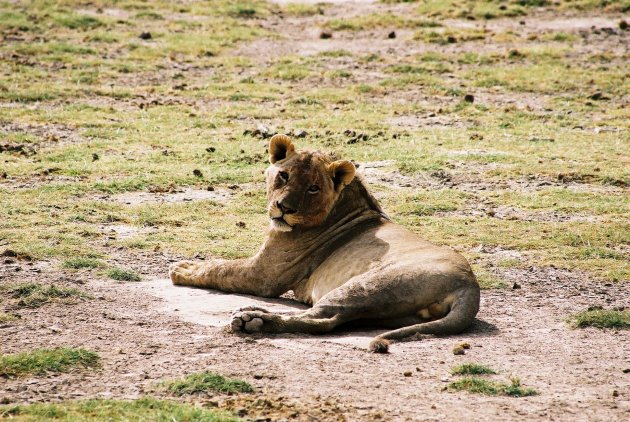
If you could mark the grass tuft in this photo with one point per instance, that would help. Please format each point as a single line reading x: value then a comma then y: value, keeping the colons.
x: 42, y: 361
x: 122, y: 274
x: 78, y: 263
x: 4, y: 318
x: 33, y: 295
x: 207, y: 381
x: 492, y: 388
x: 602, y: 318
x: 144, y: 409
x: 472, y: 369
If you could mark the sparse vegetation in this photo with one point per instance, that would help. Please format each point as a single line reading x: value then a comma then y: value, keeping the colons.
x: 79, y: 263
x: 146, y: 408
x: 602, y: 318
x: 207, y: 382
x: 122, y: 274
x: 43, y: 361
x: 472, y: 369
x: 492, y: 388
x: 34, y: 295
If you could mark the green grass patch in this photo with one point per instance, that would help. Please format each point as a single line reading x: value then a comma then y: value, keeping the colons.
x: 144, y: 409
x: 34, y: 295
x: 207, y: 381
x: 79, y: 263
x: 123, y: 274
x: 492, y: 388
x: 472, y: 369
x: 43, y: 361
x: 602, y: 318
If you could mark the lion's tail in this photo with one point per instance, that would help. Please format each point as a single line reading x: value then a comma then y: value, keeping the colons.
x: 463, y: 310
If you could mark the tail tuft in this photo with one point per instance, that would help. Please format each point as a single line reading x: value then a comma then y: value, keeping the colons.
x: 379, y: 345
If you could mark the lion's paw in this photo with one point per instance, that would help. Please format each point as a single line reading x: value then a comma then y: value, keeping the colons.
x: 250, y: 321
x: 183, y: 272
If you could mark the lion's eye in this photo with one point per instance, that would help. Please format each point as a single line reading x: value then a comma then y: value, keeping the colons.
x: 313, y: 189
x: 284, y: 175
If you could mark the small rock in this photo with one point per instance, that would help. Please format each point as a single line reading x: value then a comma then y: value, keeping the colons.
x: 197, y: 173
x: 241, y: 412
x: 433, y: 406
x: 95, y: 157
x: 623, y: 25
x: 211, y: 149
x: 210, y: 188
x: 626, y: 371
x: 459, y: 350
x: 234, y: 187
x: 145, y: 36
x: 516, y: 286
x: 615, y: 393
x: 325, y: 35
x: 407, y: 373
x: 391, y: 35
x: 258, y: 376
x: 451, y: 39
x: 521, y: 22
x: 465, y: 345
x: 4, y: 175
x: 444, y: 379
x: 469, y: 98
x: 241, y: 224
x: 301, y: 134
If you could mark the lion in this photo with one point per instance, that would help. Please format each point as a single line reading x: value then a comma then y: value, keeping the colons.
x: 330, y: 242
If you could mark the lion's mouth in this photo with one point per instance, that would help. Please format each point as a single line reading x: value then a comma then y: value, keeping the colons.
x: 279, y: 223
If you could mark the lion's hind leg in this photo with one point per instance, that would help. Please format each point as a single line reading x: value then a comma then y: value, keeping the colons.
x: 313, y: 321
x: 461, y: 315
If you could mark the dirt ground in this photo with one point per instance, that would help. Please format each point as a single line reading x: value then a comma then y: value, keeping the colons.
x: 150, y: 331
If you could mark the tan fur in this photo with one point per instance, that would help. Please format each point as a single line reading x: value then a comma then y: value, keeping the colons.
x: 330, y: 242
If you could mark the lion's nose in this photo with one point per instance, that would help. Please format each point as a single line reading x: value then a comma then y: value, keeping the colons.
x: 286, y: 208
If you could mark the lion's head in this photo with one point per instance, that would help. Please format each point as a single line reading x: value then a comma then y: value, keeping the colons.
x: 302, y: 186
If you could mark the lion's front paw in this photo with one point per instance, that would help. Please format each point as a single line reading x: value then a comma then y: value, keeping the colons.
x: 184, y: 272
x: 251, y: 320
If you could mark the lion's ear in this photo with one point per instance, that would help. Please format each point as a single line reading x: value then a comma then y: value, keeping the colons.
x: 342, y: 173
x: 280, y: 147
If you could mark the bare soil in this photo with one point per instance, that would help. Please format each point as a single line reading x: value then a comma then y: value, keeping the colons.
x: 150, y: 331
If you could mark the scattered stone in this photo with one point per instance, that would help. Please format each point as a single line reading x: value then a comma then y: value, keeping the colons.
x: 325, y: 35
x: 145, y: 36
x: 391, y: 35
x: 258, y: 376
x: 459, y: 350
x: 521, y: 22
x: 95, y: 157
x: 300, y: 133
x: 4, y: 175
x: 615, y: 393
x: 623, y: 25
x: 476, y: 137
x: 626, y: 371
x: 210, y: 188
x: 516, y: 286
x: 444, y: 379
x: 469, y: 98
x: 433, y: 406
x: 197, y: 173
x: 211, y: 149
x: 241, y: 224
x: 234, y: 187
x: 407, y: 373
x: 451, y: 39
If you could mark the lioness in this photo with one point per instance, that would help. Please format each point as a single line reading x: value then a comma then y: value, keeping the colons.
x: 330, y: 242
